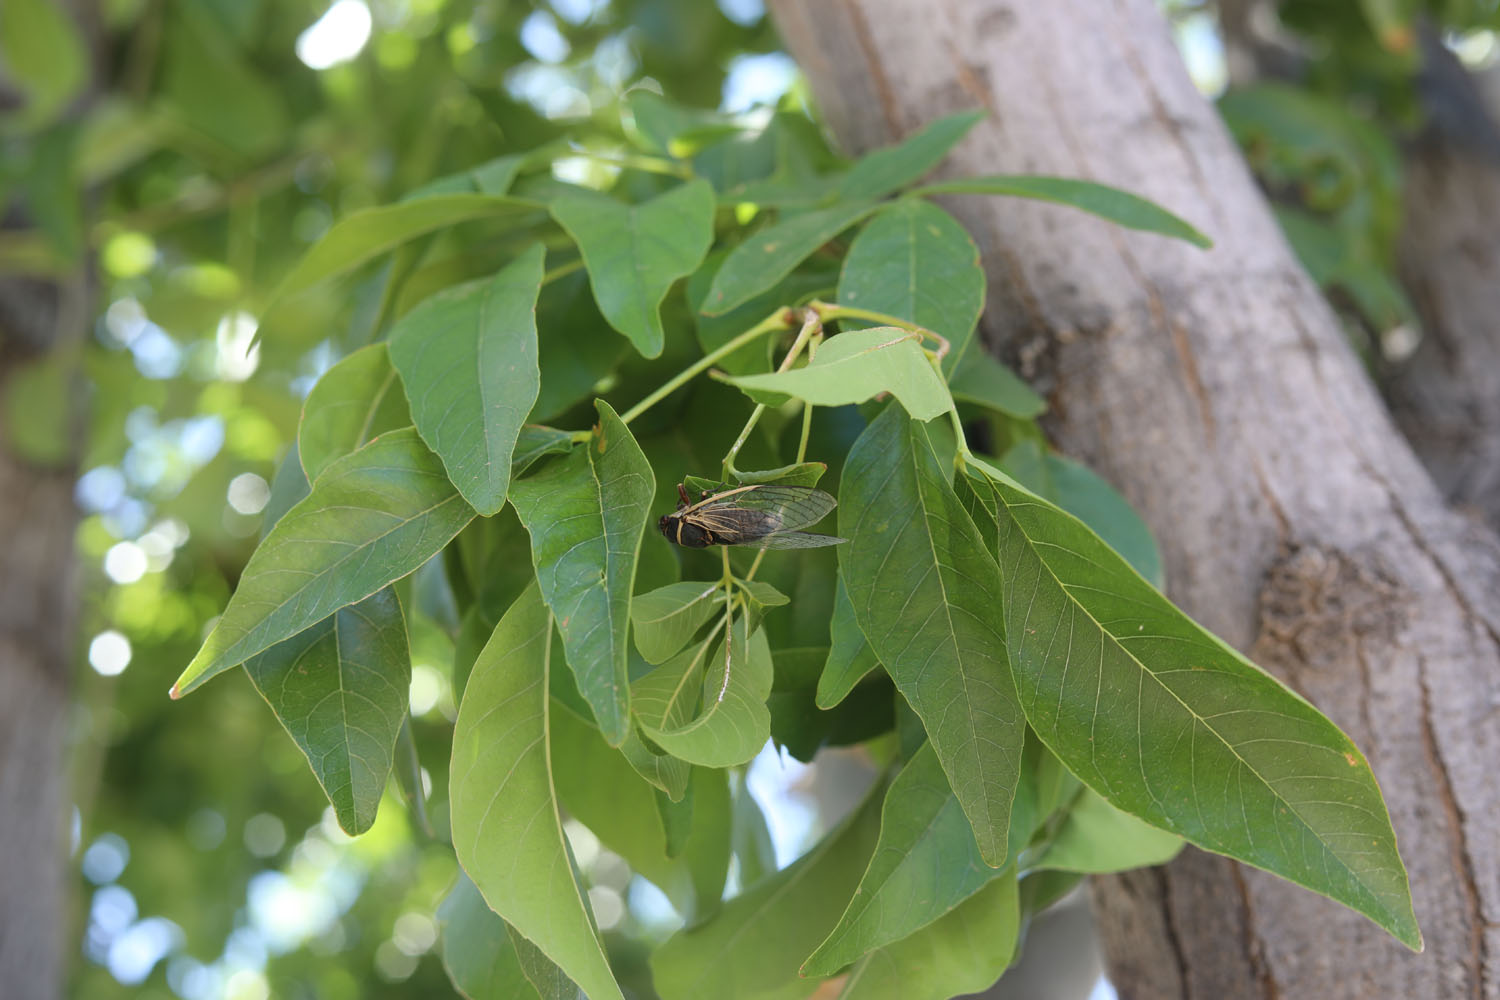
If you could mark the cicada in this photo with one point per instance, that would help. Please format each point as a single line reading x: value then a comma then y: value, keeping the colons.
x: 763, y: 517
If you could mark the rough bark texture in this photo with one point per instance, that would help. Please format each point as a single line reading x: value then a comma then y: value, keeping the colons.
x: 36, y: 630
x: 1446, y: 397
x: 1216, y: 390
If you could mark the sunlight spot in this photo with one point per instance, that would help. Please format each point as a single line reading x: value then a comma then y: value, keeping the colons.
x: 109, y: 653
x: 335, y: 37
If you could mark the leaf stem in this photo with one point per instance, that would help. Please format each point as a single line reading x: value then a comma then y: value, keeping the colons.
x: 781, y: 319
x: 830, y: 311
x: 811, y: 324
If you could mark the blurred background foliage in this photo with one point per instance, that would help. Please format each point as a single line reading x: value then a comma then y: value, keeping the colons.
x: 173, y: 158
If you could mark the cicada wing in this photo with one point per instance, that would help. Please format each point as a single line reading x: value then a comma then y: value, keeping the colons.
x: 791, y: 507
x: 791, y: 540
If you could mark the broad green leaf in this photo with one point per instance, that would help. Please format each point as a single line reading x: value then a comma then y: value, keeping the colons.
x: 341, y: 690
x: 924, y: 865
x: 209, y: 85
x: 801, y: 728
x: 770, y: 254
x: 1171, y: 725
x: 507, y: 830
x: 915, y: 262
x: 666, y: 618
x: 859, y: 365
x: 926, y: 595
x: 536, y: 442
x: 720, y: 732
x: 983, y: 381
x: 797, y: 474
x: 366, y: 234
x: 879, y: 173
x: 600, y: 789
x: 586, y: 513
x: 750, y: 949
x: 751, y: 837
x: 371, y: 518
x: 491, y: 177
x: 1096, y: 838
x: 1081, y: 492
x: 288, y: 488
x: 44, y: 57
x: 357, y: 399
x: 408, y: 770
x: 665, y: 772
x: 850, y: 658
x: 1120, y: 207
x: 468, y: 359
x: 659, y: 122
x: 634, y: 253
x: 817, y: 278
x: 577, y: 346
x: 965, y: 952
x: 477, y: 950
x: 549, y: 981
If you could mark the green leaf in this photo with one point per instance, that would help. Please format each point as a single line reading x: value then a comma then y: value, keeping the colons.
x: 915, y: 262
x: 586, y: 513
x: 549, y: 981
x: 1078, y: 490
x: 341, y: 690
x: 477, y: 951
x: 659, y: 122
x: 634, y: 253
x: 924, y: 865
x: 1120, y: 207
x: 751, y: 838
x: 371, y: 518
x: 850, y: 658
x: 926, y: 595
x: 818, y: 277
x: 362, y: 236
x: 536, y: 442
x: 879, y: 173
x: 577, y: 346
x: 600, y: 789
x: 507, y: 830
x: 1173, y: 726
x: 468, y: 359
x: 797, y: 474
x: 1096, y: 838
x: 979, y: 379
x: 752, y: 947
x: 770, y: 254
x: 408, y: 770
x: 799, y: 726
x: 43, y: 55
x: 859, y: 365
x: 356, y: 400
x: 965, y: 952
x: 288, y: 488
x: 666, y: 618
x: 719, y: 732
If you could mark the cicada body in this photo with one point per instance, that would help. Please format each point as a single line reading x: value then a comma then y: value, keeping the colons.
x: 763, y: 517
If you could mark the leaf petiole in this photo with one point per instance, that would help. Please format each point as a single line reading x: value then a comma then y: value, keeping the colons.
x: 781, y: 319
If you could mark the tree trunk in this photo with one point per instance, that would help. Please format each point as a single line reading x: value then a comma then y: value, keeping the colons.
x: 1215, y: 389
x: 36, y: 642
x: 1446, y: 397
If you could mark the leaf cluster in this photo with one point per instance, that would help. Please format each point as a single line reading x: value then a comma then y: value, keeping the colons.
x: 992, y: 631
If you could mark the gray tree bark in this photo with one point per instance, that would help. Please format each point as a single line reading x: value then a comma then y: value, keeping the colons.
x: 1446, y: 396
x: 37, y: 520
x: 1216, y: 391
